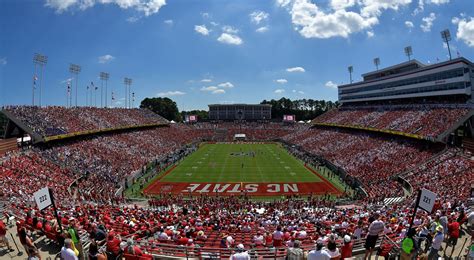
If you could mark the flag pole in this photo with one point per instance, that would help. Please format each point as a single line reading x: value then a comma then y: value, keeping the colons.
x: 55, y: 210
x: 414, y: 209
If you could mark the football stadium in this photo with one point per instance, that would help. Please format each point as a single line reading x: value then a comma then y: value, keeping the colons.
x: 104, y: 165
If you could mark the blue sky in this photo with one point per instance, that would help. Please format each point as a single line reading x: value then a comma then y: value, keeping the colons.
x: 199, y: 52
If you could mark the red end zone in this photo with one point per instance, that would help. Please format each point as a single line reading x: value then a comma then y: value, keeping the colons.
x: 253, y: 189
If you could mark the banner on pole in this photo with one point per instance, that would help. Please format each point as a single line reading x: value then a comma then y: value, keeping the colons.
x: 42, y: 198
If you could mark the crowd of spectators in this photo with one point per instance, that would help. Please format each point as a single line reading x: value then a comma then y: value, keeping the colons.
x: 226, y: 222
x: 56, y: 120
x: 449, y: 175
x: 106, y: 160
x: 97, y: 166
x: 254, y: 131
x: 371, y: 158
x: 425, y: 120
x: 22, y: 175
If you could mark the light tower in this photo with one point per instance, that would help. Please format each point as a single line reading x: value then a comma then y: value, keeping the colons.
x: 40, y: 60
x: 104, y: 76
x: 128, y: 83
x: 446, y: 35
x: 75, y: 69
x: 377, y: 63
x: 350, y: 69
x: 408, y: 52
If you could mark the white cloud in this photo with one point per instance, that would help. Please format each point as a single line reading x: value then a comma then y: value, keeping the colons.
x: 133, y: 19
x: 465, y: 31
x: 66, y: 80
x: 201, y: 29
x: 226, y: 85
x: 341, y: 4
x: 258, y: 16
x: 375, y: 7
x: 210, y: 88
x: 60, y: 5
x: 3, y: 61
x: 106, y: 58
x: 147, y: 7
x: 330, y: 84
x: 218, y: 91
x: 409, y: 24
x: 370, y: 34
x: 438, y: 2
x: 427, y: 22
x: 205, y: 15
x: 455, y: 20
x: 262, y: 29
x: 229, y: 29
x: 296, y: 69
x: 171, y: 93
x: 279, y: 91
x: 312, y: 22
x: 281, y: 81
x: 168, y: 22
x: 298, y: 91
x: 230, y: 39
x: 214, y: 23
x: 206, y: 80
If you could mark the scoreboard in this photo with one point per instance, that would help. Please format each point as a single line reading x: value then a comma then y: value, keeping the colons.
x: 289, y: 118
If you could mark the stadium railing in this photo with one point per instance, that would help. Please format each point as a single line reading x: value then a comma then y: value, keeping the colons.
x: 172, y: 251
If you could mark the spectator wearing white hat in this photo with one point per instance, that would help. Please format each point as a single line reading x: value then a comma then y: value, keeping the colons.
x: 436, y: 244
x: 240, y: 253
x: 319, y: 253
x: 346, y: 249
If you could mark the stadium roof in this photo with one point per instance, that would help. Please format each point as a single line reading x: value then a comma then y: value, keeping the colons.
x: 267, y: 105
x: 423, y: 68
x: 394, y: 67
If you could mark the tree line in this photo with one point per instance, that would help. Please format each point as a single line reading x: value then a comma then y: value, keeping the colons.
x: 303, y: 109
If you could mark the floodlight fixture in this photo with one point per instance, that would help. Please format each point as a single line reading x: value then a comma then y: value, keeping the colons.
x: 350, y: 69
x: 446, y: 36
x: 377, y: 63
x: 75, y: 69
x: 41, y: 61
x: 408, y: 52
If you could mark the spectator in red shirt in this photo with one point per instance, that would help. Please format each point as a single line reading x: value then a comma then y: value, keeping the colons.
x: 346, y: 249
x: 453, y: 231
x: 113, y: 245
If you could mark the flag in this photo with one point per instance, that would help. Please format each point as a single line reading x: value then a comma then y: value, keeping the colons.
x: 34, y: 81
x: 92, y: 83
x: 437, y: 59
x: 459, y: 54
x: 113, y: 98
x: 87, y: 87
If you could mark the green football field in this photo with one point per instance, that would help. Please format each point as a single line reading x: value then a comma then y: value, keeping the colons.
x: 256, y: 163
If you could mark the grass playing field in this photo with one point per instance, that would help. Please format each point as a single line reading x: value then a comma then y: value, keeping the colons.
x: 235, y: 163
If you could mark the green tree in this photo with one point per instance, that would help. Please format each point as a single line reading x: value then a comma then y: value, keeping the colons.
x: 303, y: 109
x: 164, y: 107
